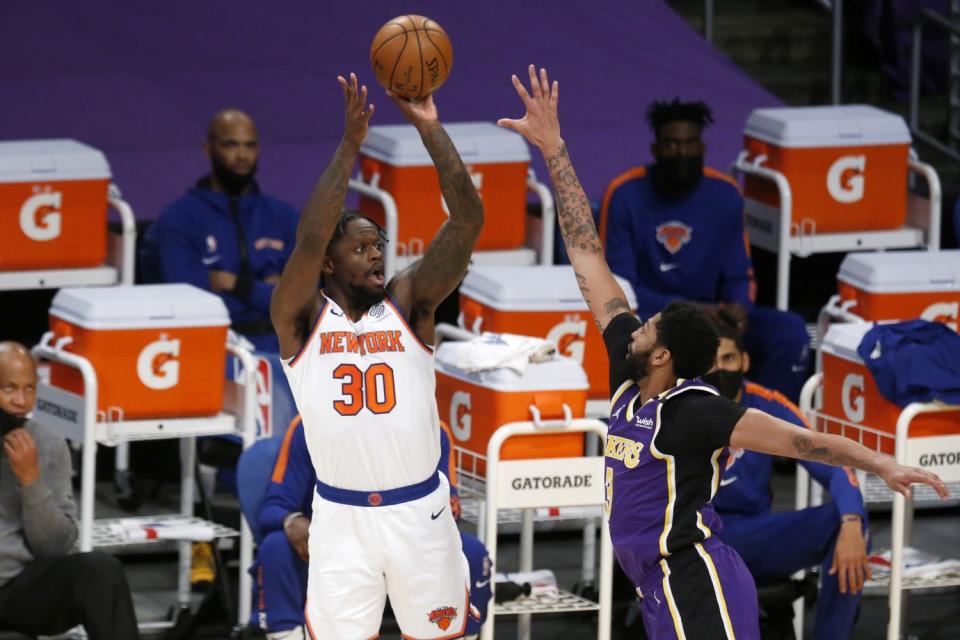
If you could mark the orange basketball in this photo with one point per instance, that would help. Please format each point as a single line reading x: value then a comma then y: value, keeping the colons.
x: 411, y: 56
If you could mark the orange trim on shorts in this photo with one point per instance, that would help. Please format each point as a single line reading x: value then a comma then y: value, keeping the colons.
x: 629, y: 174
x: 313, y: 332
x: 280, y: 467
x: 451, y: 463
x: 456, y: 634
x: 389, y: 300
x: 306, y: 621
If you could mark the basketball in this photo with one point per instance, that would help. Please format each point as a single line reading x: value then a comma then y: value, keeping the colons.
x: 411, y: 56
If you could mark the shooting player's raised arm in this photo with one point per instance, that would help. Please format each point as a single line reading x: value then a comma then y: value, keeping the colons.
x: 294, y: 307
x: 541, y: 126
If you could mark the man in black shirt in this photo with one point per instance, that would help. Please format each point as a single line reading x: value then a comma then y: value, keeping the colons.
x: 669, y: 432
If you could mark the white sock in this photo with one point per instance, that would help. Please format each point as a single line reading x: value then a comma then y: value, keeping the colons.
x: 291, y: 634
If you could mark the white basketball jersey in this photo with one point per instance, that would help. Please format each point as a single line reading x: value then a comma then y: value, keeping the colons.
x: 366, y: 393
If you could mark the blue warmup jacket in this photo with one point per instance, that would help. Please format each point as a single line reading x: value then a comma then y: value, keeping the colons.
x: 745, y: 487
x: 693, y: 248
x: 913, y: 361
x: 197, y: 233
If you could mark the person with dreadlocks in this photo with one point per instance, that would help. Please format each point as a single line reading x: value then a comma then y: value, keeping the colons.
x: 357, y: 356
x: 674, y: 229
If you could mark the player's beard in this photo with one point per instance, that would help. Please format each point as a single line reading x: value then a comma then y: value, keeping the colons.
x: 365, y: 297
x: 639, y: 364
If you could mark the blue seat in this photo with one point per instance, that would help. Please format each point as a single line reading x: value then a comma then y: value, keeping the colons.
x: 253, y: 479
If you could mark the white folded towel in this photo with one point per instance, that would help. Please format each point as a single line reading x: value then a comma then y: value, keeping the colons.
x: 499, y: 351
x: 134, y: 530
x: 542, y: 581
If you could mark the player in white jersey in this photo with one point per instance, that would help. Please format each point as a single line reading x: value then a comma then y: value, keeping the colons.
x: 357, y: 357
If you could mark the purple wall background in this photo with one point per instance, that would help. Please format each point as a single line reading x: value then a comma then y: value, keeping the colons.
x: 140, y: 80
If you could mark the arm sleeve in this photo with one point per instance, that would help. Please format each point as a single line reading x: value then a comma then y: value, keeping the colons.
x: 621, y: 255
x: 49, y: 512
x: 697, y: 422
x: 293, y: 478
x: 737, y: 282
x: 617, y: 338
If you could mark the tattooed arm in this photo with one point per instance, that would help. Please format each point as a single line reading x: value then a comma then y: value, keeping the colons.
x: 422, y: 287
x: 294, y: 305
x: 759, y: 431
x: 541, y: 126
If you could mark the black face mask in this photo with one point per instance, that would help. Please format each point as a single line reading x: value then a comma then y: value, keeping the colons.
x: 678, y: 175
x: 728, y: 383
x: 9, y: 422
x: 233, y: 183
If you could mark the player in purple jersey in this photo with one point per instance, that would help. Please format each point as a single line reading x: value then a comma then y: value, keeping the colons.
x: 669, y: 432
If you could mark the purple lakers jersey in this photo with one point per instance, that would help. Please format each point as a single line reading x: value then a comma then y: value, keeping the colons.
x: 664, y: 459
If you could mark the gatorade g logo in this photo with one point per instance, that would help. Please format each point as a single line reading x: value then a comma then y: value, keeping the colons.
x: 853, y: 403
x: 944, y: 312
x: 569, y: 337
x: 460, y: 419
x: 477, y: 179
x: 850, y: 190
x: 40, y: 216
x: 157, y: 365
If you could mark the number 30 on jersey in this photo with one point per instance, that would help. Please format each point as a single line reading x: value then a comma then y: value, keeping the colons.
x: 373, y: 389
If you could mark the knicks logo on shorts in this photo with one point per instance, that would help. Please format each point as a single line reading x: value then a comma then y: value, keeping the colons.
x: 442, y: 617
x: 673, y: 235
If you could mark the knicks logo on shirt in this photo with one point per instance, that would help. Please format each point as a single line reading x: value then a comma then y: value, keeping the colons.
x: 733, y: 454
x: 673, y: 235
x: 370, y: 342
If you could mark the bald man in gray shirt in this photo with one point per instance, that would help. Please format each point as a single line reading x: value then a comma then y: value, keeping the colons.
x: 46, y: 588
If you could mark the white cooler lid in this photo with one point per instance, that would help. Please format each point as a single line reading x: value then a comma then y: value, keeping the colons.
x: 902, y: 271
x: 832, y: 126
x: 534, y: 288
x: 843, y: 338
x: 140, y: 307
x: 476, y: 142
x: 560, y: 374
x: 40, y: 160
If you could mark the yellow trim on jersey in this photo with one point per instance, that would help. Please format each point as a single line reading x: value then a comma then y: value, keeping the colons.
x: 671, y: 603
x: 671, y: 468
x: 619, y: 392
x: 671, y: 485
x: 717, y: 590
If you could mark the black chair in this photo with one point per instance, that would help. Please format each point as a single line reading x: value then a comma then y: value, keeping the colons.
x: 776, y: 605
x: 15, y: 635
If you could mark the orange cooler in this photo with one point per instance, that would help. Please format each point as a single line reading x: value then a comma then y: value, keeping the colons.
x: 540, y: 301
x: 847, y: 165
x: 850, y: 394
x: 477, y: 404
x: 53, y: 205
x: 903, y: 285
x: 159, y: 350
x: 496, y: 159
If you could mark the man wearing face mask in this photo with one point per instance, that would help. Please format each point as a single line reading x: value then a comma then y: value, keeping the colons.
x: 675, y: 230
x: 776, y: 545
x: 224, y: 235
x: 45, y: 589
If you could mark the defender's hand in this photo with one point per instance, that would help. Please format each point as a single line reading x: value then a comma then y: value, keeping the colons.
x: 899, y: 478
x: 21, y: 450
x: 540, y: 124
x: 357, y: 112
x: 417, y: 112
